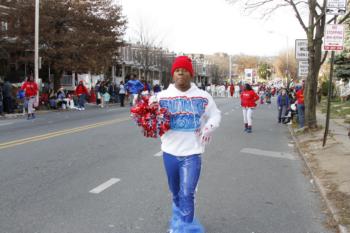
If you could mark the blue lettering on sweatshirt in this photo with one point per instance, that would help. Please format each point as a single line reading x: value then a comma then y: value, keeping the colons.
x: 185, y: 112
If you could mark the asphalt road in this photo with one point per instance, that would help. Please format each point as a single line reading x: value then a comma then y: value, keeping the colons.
x: 93, y: 172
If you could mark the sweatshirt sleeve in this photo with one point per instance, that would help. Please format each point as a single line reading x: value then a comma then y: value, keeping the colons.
x: 24, y: 86
x: 213, y: 113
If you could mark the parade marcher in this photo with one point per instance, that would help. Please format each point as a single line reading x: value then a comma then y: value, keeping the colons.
x: 31, y: 91
x: 237, y: 91
x: 232, y: 89
x: 248, y: 103
x: 268, y: 95
x: 134, y: 88
x: 81, y: 92
x: 193, y: 117
x: 121, y: 93
x: 283, y: 104
x: 300, y: 106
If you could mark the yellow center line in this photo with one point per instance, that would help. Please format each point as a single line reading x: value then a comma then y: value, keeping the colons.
x: 59, y: 133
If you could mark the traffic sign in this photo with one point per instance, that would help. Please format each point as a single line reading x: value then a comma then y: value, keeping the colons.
x: 303, y: 68
x: 301, y: 52
x: 333, y: 37
x: 336, y: 7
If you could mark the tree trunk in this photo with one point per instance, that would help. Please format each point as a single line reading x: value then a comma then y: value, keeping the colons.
x: 314, y: 67
x: 57, y: 80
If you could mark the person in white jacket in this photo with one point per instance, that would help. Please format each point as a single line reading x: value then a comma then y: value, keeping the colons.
x: 193, y: 118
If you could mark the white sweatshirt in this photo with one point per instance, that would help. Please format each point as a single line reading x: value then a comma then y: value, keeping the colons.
x: 189, y: 111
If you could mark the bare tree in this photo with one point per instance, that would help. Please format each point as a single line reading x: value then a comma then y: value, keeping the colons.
x: 148, y: 44
x: 281, y: 64
x: 220, y: 69
x: 312, y: 18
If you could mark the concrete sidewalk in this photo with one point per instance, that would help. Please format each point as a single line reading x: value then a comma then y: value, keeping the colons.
x: 39, y: 112
x: 329, y: 167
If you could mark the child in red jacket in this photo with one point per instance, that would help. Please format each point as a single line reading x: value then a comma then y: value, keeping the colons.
x: 248, y: 99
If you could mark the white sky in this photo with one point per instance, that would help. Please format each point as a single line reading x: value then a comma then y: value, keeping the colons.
x: 209, y: 26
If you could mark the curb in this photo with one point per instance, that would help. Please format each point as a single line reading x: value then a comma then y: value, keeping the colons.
x: 319, y: 185
x: 39, y: 112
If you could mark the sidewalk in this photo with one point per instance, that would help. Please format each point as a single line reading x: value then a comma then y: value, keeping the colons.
x: 329, y: 167
x: 23, y: 115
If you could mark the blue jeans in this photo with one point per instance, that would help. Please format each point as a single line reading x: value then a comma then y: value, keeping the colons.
x: 81, y: 102
x: 183, y: 174
x: 301, y: 115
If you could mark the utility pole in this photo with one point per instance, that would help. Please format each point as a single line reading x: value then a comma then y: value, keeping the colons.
x: 230, y: 67
x: 36, y: 42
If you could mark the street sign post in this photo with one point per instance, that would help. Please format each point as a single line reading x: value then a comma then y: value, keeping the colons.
x: 333, y: 37
x: 301, y: 51
x: 336, y: 7
x: 333, y: 41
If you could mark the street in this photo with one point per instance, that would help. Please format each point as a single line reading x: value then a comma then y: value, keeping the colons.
x: 93, y: 172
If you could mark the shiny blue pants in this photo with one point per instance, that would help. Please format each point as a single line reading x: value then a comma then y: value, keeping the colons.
x: 183, y: 174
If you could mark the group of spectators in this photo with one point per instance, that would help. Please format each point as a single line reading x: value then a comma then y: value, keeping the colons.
x: 105, y: 92
x: 290, y: 102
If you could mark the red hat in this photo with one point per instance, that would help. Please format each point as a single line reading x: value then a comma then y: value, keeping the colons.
x: 182, y: 62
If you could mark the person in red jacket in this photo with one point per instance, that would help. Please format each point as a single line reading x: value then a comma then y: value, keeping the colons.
x: 81, y: 92
x: 232, y: 89
x: 31, y: 91
x: 300, y: 106
x: 248, y: 103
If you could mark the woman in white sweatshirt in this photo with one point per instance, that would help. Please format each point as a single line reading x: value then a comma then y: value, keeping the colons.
x: 193, y: 118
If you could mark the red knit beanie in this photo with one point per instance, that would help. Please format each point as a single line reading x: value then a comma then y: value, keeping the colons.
x: 182, y: 62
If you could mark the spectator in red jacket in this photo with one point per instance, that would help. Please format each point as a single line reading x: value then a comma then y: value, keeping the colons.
x: 31, y: 91
x: 300, y: 106
x: 82, y: 93
x: 248, y: 103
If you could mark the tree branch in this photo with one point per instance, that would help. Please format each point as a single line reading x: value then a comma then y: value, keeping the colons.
x: 345, y: 17
x: 324, y: 58
x: 297, y: 14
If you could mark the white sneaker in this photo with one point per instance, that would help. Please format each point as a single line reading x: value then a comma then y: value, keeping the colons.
x: 79, y: 109
x: 82, y: 109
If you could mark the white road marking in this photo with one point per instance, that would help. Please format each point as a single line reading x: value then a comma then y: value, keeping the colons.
x: 104, y: 186
x: 160, y: 153
x: 226, y: 113
x: 112, y: 110
x: 6, y: 123
x: 274, y: 154
x: 290, y: 145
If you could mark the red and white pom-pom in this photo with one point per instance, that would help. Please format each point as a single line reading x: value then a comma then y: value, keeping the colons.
x: 153, y: 119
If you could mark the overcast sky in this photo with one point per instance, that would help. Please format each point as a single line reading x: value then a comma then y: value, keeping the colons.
x: 209, y: 26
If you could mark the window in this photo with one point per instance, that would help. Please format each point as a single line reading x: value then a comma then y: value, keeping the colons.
x: 3, y: 26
